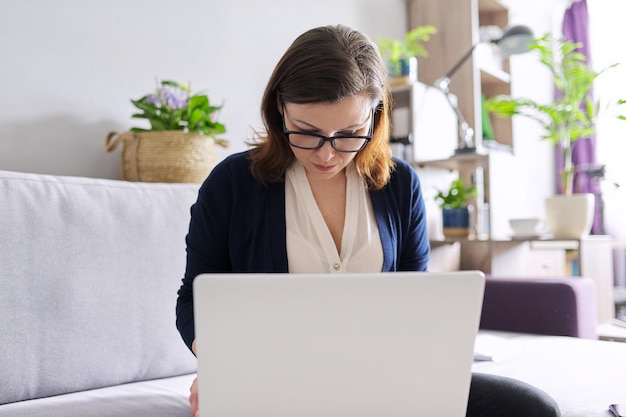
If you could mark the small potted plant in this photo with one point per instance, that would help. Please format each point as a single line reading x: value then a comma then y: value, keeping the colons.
x: 454, y: 204
x: 569, y: 117
x: 401, y: 55
x: 179, y: 144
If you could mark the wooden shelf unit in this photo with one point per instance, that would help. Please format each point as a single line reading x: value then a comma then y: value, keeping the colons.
x: 458, y: 24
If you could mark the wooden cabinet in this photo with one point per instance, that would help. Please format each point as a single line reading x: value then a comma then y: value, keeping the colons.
x: 458, y: 23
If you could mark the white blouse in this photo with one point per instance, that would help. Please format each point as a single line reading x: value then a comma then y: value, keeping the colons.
x: 310, y: 246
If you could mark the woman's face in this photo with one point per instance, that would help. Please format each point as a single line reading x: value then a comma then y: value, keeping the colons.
x: 351, y: 116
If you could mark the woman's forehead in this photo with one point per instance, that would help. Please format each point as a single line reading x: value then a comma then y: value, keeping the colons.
x: 352, y: 107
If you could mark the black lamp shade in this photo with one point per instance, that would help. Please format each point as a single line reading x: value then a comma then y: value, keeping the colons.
x: 515, y: 40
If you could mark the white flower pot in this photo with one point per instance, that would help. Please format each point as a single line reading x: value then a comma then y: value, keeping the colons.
x: 570, y: 216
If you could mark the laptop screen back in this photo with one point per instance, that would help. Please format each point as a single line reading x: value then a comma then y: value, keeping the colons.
x: 285, y: 345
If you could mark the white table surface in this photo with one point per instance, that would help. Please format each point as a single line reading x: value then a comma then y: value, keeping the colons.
x: 584, y: 376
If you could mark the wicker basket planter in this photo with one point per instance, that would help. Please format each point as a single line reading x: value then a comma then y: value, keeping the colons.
x: 164, y: 156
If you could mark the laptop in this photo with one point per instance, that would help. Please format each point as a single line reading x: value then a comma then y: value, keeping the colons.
x: 336, y: 345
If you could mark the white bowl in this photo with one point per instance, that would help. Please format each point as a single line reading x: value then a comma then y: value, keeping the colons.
x: 525, y: 227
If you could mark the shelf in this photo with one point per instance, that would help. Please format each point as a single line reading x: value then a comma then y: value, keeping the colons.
x: 535, y: 243
x: 400, y: 88
x: 455, y: 162
x: 497, y: 146
x: 568, y: 244
x: 465, y: 240
x: 494, y: 76
x: 435, y: 243
x: 555, y: 244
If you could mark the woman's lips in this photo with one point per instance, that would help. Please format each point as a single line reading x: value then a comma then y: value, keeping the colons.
x: 323, y: 168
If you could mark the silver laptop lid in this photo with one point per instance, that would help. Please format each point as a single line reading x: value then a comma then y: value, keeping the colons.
x: 293, y: 345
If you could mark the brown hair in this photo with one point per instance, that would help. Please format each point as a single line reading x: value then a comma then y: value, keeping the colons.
x: 324, y: 65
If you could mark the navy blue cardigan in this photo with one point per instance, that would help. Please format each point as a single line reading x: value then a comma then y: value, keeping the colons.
x: 238, y: 225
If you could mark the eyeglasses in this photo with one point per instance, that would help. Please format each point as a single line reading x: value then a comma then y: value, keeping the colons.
x: 340, y: 143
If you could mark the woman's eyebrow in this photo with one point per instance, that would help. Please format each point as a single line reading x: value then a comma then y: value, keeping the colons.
x: 313, y: 127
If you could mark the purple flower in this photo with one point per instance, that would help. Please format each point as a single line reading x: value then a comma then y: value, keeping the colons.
x: 175, y: 98
x: 154, y: 99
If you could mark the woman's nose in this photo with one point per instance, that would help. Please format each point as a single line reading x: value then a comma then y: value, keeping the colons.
x: 326, y: 152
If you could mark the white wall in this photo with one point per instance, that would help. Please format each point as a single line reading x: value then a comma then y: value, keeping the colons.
x: 533, y: 80
x: 606, y: 19
x: 69, y: 67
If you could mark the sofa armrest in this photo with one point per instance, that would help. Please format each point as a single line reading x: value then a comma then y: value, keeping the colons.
x: 549, y: 306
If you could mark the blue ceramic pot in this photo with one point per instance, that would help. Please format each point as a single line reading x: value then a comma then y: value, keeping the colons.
x: 456, y: 222
x: 407, y: 68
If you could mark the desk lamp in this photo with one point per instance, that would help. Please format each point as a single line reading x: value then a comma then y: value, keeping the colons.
x: 514, y: 40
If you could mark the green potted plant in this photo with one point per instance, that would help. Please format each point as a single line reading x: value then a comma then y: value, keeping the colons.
x: 179, y: 145
x: 565, y: 119
x: 401, y: 55
x: 569, y: 117
x: 173, y: 107
x: 454, y: 203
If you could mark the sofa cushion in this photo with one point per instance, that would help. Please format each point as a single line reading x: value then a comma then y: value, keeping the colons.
x: 168, y: 397
x: 89, y: 270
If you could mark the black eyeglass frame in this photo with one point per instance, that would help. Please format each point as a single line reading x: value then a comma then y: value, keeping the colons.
x: 330, y: 139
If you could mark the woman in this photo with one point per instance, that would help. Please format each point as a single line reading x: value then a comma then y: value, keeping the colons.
x: 320, y: 192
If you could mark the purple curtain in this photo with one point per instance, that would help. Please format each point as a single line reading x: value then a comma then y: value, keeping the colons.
x: 576, y: 29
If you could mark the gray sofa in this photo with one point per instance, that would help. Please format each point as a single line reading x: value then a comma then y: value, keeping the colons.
x: 89, y: 270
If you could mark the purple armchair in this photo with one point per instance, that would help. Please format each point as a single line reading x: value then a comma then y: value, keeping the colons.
x: 549, y: 306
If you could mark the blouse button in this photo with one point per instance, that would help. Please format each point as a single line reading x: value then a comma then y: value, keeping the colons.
x: 337, y: 267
